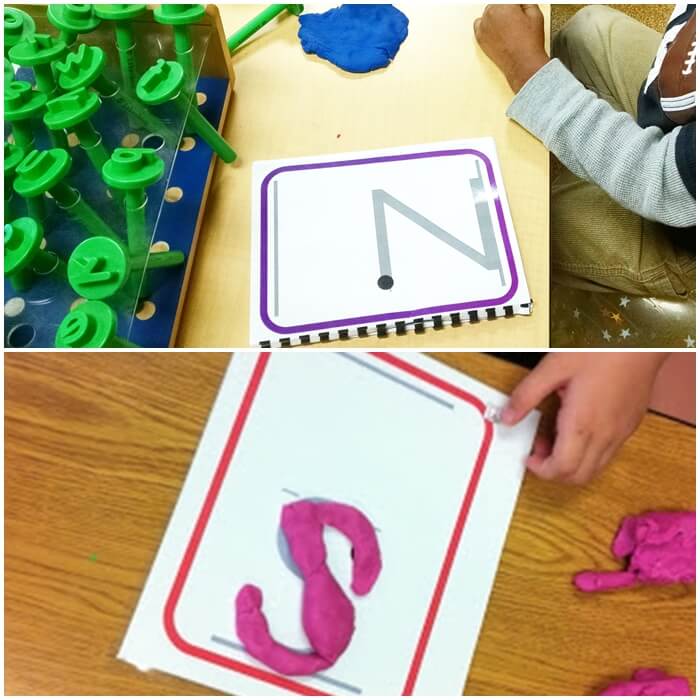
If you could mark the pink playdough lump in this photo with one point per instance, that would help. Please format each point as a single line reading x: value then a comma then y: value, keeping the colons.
x: 659, y: 548
x: 650, y: 681
x: 328, y: 616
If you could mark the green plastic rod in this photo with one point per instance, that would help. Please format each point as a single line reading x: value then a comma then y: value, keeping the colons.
x: 198, y: 123
x: 258, y: 22
x: 163, y: 83
x: 155, y: 261
x: 125, y: 47
x: 9, y: 71
x: 136, y: 229
x: 36, y: 208
x: 122, y: 15
x: 13, y: 156
x: 91, y: 142
x: 180, y: 17
x: 23, y: 134
x: 70, y: 200
x: 58, y: 139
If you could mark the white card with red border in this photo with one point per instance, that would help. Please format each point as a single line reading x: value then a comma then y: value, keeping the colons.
x: 405, y: 439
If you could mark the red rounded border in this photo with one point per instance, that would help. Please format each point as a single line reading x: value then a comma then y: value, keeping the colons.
x: 225, y: 461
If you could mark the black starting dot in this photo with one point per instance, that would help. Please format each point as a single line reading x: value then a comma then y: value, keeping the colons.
x: 385, y: 282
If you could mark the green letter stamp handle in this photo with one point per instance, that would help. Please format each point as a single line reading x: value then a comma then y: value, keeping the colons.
x: 84, y: 68
x: 92, y: 324
x: 44, y: 171
x: 22, y: 105
x: 100, y: 268
x: 73, y: 111
x: 40, y: 171
x: 37, y: 52
x: 72, y: 20
x: 24, y: 257
x: 162, y: 83
x: 18, y: 26
x: 132, y: 170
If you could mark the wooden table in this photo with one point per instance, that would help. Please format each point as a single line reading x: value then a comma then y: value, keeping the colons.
x: 440, y: 87
x: 97, y: 447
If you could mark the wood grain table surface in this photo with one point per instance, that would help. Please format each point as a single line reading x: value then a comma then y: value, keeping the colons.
x: 440, y: 87
x: 96, y: 450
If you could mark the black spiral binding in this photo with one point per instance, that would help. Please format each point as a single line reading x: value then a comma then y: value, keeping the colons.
x: 417, y: 325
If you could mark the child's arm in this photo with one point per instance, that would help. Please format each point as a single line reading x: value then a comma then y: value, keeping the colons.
x: 604, y: 397
x: 639, y: 168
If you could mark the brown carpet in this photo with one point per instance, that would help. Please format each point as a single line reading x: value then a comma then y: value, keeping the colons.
x: 654, y: 16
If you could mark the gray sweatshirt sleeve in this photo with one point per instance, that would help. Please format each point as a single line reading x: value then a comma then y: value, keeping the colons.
x: 635, y: 166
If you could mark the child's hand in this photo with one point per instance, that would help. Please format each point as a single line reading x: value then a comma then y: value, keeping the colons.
x: 512, y: 36
x: 603, y: 399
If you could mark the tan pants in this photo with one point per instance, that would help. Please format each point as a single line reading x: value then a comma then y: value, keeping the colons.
x: 596, y: 244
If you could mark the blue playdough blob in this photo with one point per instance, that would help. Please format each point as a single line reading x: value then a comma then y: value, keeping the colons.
x: 356, y: 38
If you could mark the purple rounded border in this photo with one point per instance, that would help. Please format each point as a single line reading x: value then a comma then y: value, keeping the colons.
x: 411, y: 313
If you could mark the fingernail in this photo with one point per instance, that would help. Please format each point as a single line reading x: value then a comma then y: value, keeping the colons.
x: 532, y: 466
x: 508, y: 416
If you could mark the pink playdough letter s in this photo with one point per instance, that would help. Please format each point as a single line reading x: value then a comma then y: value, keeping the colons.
x: 328, y: 616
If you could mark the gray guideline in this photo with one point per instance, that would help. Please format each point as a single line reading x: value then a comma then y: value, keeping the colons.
x: 387, y: 375
x: 275, y: 244
x: 483, y: 215
x: 318, y: 676
x: 295, y: 494
x: 489, y: 259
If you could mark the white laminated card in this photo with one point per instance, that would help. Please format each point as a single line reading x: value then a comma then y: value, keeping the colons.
x: 373, y: 242
x: 401, y: 437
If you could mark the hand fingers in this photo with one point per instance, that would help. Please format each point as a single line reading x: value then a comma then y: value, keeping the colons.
x: 542, y: 446
x: 609, y: 453
x: 595, y: 457
x: 591, y: 463
x: 541, y: 449
x: 541, y: 382
x: 594, y: 461
x: 569, y: 449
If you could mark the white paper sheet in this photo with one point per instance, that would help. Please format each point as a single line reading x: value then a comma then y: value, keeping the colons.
x: 361, y: 240
x: 398, y: 436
